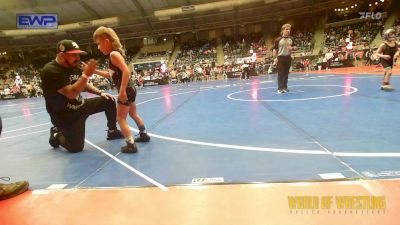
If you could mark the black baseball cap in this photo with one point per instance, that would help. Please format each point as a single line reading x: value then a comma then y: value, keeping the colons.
x: 69, y: 46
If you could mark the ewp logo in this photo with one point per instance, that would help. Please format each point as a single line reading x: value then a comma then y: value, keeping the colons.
x: 37, y: 21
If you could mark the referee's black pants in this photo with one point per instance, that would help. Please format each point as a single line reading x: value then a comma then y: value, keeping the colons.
x: 284, y: 63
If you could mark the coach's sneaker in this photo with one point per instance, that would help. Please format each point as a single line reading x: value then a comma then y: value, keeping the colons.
x: 129, y: 148
x: 285, y: 90
x: 280, y: 91
x: 53, y: 141
x: 143, y: 137
x: 13, y: 189
x: 114, y: 134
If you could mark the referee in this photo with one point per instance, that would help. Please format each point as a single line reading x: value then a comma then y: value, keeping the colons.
x: 282, y: 50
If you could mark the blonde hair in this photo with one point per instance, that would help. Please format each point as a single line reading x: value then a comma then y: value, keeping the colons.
x: 106, y: 32
x: 284, y: 26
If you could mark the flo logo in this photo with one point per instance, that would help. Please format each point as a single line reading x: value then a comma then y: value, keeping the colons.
x: 37, y: 21
x: 370, y: 15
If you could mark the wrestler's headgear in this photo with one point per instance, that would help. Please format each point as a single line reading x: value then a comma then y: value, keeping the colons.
x: 387, y: 34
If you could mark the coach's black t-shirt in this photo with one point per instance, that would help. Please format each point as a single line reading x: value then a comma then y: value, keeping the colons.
x: 62, y: 110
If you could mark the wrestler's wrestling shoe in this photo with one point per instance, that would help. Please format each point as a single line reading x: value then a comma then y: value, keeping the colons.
x: 387, y: 87
x: 114, y: 134
x: 143, y: 137
x: 129, y: 148
x: 53, y: 141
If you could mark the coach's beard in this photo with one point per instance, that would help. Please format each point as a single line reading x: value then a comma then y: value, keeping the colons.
x: 74, y: 63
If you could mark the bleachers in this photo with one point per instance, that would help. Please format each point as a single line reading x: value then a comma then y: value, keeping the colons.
x: 196, y: 52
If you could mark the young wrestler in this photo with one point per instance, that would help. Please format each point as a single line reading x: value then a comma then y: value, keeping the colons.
x: 388, y: 52
x: 109, y: 44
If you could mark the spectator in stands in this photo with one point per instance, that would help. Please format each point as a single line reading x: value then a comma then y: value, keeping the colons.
x: 368, y: 56
x: 62, y: 84
x: 328, y: 58
x: 282, y: 50
x: 388, y: 52
x: 139, y: 80
x: 173, y: 77
x: 245, y: 71
x: 18, y: 81
x: 109, y: 44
